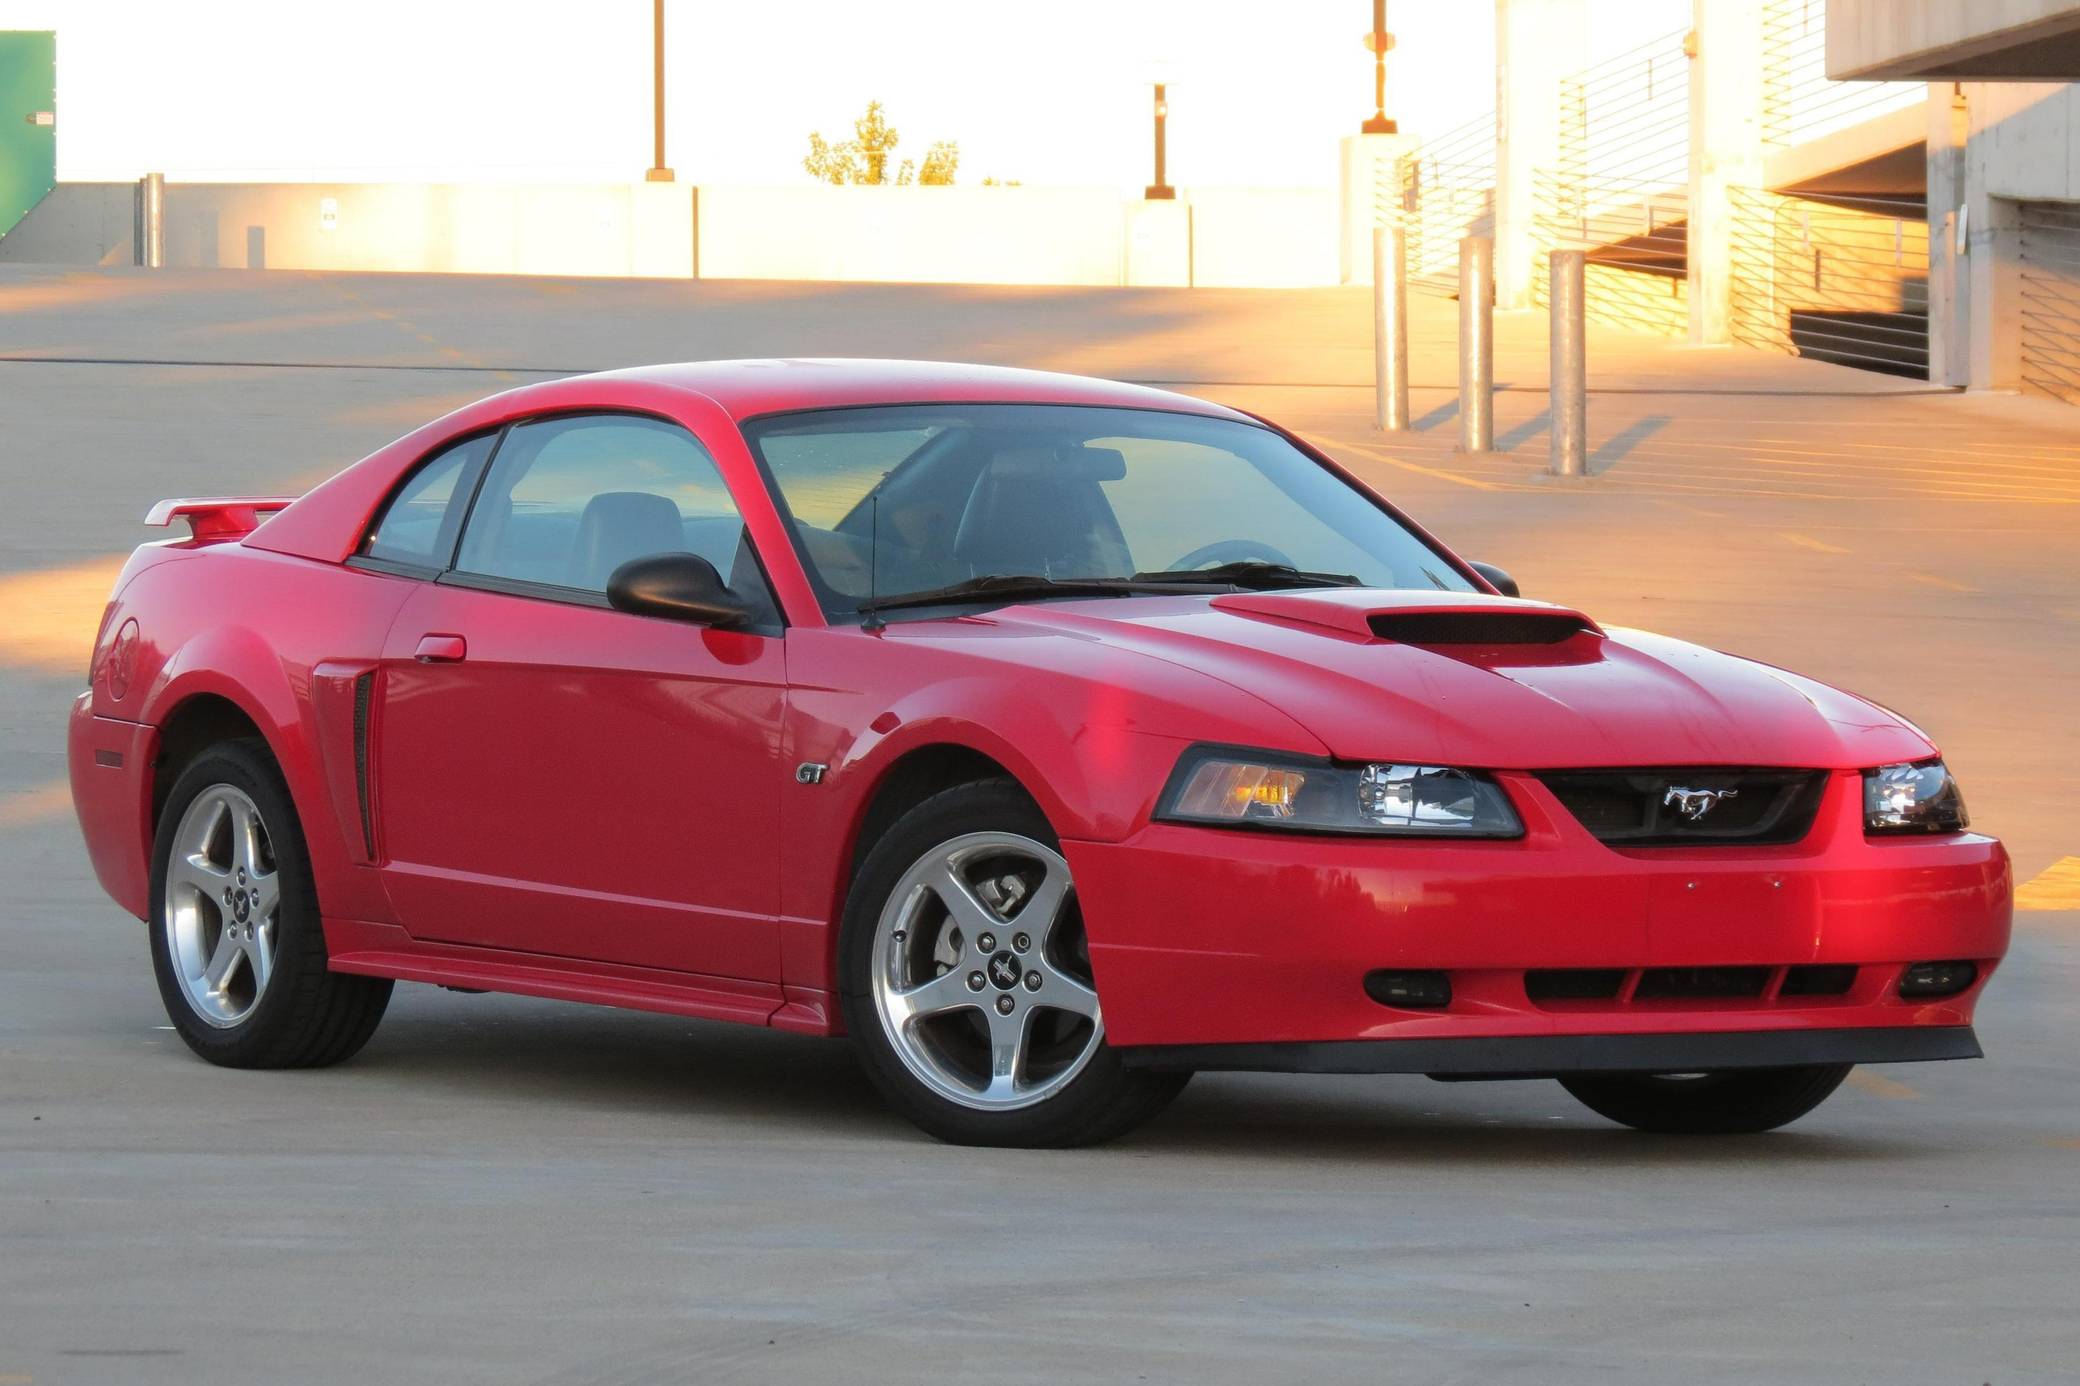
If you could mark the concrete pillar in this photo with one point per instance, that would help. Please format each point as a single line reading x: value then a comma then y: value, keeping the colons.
x: 1993, y: 287
x: 1949, y: 296
x: 1537, y: 43
x: 1370, y: 163
x: 1726, y: 86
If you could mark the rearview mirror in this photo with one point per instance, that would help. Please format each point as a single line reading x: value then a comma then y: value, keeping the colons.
x: 1497, y: 579
x: 676, y: 586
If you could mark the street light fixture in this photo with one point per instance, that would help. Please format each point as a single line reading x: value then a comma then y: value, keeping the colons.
x: 1160, y: 190
x: 1380, y: 43
x: 658, y: 172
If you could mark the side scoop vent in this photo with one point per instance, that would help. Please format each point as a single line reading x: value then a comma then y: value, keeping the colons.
x: 1478, y: 627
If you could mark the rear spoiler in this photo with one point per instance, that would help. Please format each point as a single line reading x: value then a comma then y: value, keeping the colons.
x: 213, y: 518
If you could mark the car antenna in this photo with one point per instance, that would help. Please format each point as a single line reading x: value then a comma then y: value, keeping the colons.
x: 871, y: 610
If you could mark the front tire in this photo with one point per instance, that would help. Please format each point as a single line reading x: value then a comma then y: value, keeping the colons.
x: 966, y: 982
x: 1726, y: 1103
x: 237, y: 944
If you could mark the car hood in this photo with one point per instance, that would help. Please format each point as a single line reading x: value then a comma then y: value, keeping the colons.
x: 1492, y: 682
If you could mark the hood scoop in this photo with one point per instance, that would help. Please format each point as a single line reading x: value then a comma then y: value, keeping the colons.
x: 1417, y: 618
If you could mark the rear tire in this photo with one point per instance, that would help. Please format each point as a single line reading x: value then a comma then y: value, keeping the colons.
x: 237, y: 944
x: 971, y: 1001
x: 1730, y: 1102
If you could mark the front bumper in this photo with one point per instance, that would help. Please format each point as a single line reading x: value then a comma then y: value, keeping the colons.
x: 1204, y: 936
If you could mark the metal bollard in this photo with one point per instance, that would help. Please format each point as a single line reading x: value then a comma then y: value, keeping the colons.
x: 1477, y: 344
x: 1568, y: 401
x: 1390, y: 328
x: 151, y: 221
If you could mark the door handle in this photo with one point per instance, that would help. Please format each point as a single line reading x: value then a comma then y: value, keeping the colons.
x: 440, y: 649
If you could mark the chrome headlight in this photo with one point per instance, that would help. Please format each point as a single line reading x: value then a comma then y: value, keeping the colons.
x: 1918, y: 798
x: 1264, y: 789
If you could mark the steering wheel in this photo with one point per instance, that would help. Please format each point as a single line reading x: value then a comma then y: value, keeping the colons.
x: 1231, y: 551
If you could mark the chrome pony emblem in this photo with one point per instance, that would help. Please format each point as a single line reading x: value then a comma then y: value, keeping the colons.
x: 1694, y: 804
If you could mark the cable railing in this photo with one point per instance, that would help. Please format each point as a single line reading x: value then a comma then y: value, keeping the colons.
x: 1620, y: 187
x: 1627, y: 118
x: 2050, y: 299
x: 1841, y: 279
x: 1635, y: 238
x: 1799, y: 100
x: 1443, y: 193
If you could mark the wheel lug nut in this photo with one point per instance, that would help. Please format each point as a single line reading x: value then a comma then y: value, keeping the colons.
x: 1005, y: 1005
x: 1021, y: 942
x: 1032, y: 981
x: 976, y: 981
x: 987, y: 943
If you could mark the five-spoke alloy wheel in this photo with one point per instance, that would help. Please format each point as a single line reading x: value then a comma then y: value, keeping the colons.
x: 968, y: 982
x: 237, y: 942
x: 223, y: 892
x: 982, y: 981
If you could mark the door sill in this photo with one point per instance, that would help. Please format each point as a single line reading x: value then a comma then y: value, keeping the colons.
x: 384, y: 950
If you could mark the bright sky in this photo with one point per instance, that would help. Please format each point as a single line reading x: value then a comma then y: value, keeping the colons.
x: 1044, y: 91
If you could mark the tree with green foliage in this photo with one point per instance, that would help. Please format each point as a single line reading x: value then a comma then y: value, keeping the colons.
x: 865, y: 158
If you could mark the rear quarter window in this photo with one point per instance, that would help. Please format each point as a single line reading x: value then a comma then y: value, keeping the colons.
x: 418, y: 526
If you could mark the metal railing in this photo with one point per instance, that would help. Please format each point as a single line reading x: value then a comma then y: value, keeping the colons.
x: 1844, y: 279
x: 1445, y: 192
x: 1635, y: 239
x: 1620, y: 188
x: 1799, y: 100
x: 1627, y: 118
x: 2050, y: 253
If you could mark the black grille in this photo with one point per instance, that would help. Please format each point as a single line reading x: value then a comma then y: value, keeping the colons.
x: 1819, y: 979
x: 1735, y: 808
x: 1574, y: 983
x: 1701, y: 983
x: 1574, y: 988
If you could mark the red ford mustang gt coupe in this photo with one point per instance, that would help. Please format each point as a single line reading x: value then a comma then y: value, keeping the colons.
x: 1051, y: 738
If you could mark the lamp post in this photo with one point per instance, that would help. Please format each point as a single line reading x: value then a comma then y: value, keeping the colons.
x: 1380, y: 43
x: 658, y: 172
x: 1160, y: 190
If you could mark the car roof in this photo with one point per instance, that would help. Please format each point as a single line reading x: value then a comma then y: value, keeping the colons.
x: 748, y: 388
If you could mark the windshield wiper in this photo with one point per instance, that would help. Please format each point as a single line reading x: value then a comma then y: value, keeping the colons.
x: 1010, y: 587
x: 1253, y: 573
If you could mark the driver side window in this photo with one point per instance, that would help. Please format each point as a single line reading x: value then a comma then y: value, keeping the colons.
x: 569, y: 500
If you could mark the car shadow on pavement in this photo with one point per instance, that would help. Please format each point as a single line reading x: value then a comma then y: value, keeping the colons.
x: 1411, y: 1119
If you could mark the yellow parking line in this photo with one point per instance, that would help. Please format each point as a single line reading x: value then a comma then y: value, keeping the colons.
x: 2056, y: 888
x: 1374, y: 454
x: 21, y: 807
x: 1878, y: 1086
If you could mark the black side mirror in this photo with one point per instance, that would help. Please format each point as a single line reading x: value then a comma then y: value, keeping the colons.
x: 1497, y: 579
x: 676, y: 586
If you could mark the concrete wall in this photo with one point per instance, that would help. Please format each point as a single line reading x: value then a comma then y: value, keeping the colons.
x: 77, y: 224
x: 970, y: 235
x: 1227, y: 237
x: 1950, y: 38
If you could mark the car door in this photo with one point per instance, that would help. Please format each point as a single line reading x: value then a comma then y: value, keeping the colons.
x: 557, y: 777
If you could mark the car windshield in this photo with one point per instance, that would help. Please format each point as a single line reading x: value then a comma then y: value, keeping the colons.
x: 912, y: 500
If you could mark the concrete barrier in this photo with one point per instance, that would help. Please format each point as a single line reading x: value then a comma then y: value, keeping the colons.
x: 1225, y: 237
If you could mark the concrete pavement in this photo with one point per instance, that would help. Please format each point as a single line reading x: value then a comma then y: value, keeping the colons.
x: 502, y: 1189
